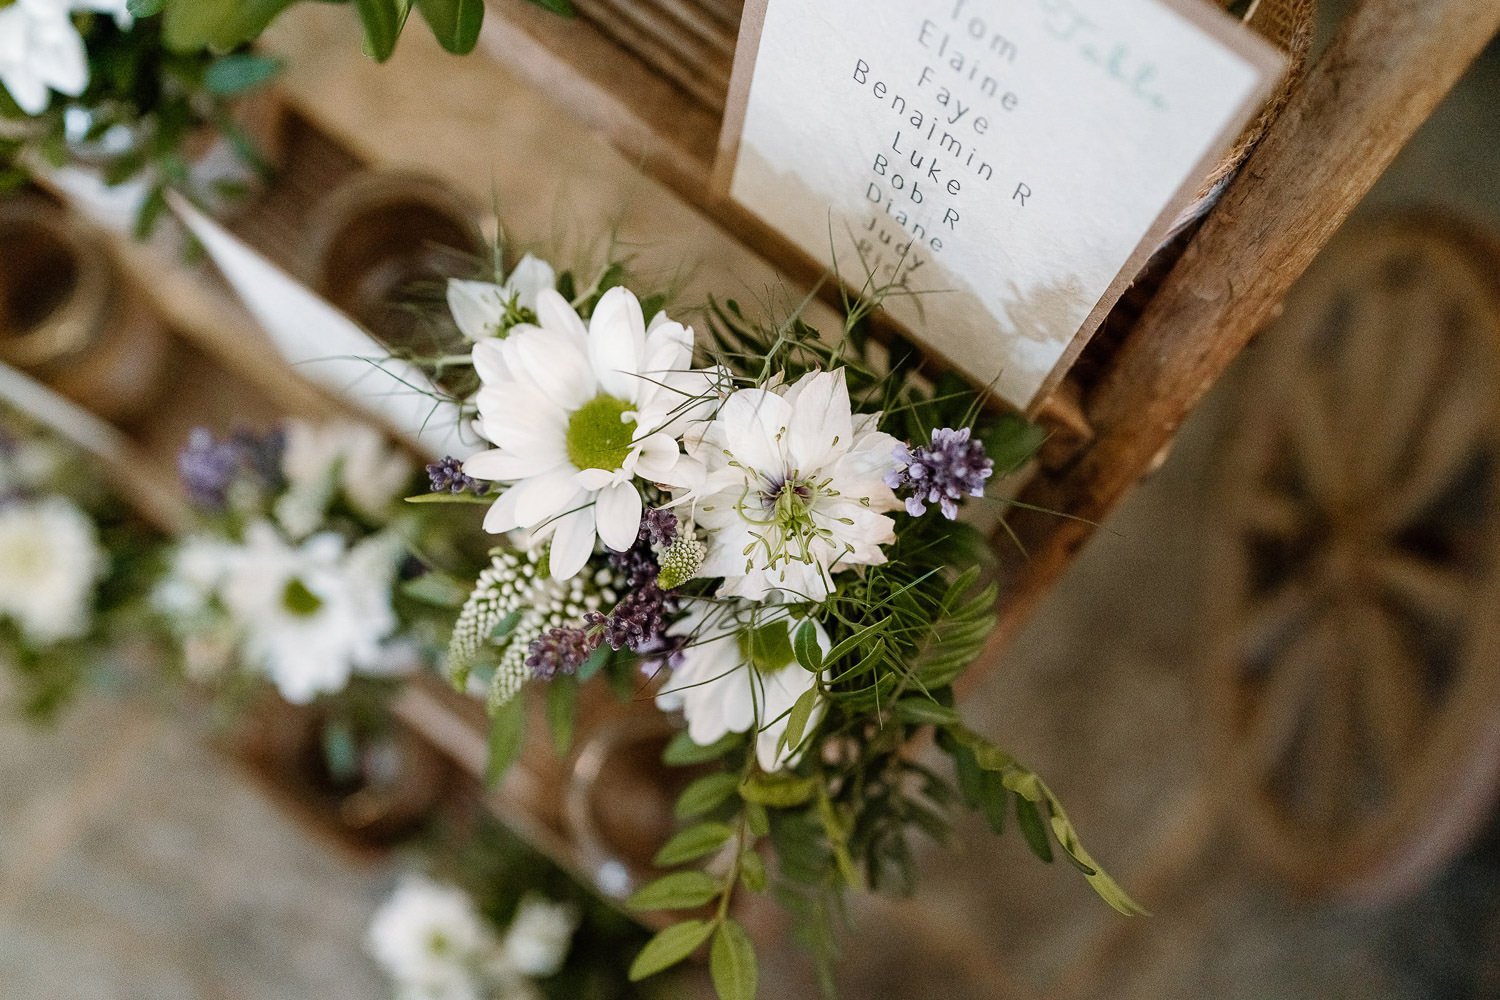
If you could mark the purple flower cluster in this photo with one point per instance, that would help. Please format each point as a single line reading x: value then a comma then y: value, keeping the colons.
x: 448, y: 476
x: 560, y: 651
x: 638, y: 621
x: 209, y: 466
x: 943, y: 472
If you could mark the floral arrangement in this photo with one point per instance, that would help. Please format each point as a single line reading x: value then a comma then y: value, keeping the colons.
x: 493, y: 920
x: 294, y: 574
x: 225, y: 24
x: 86, y: 82
x: 759, y: 529
x: 70, y: 567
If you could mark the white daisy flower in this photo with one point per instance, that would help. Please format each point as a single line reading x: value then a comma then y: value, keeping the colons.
x: 794, y: 490
x: 577, y: 413
x: 40, y: 52
x: 481, y: 308
x: 50, y: 562
x: 432, y: 941
x: 341, y: 457
x: 537, y: 942
x: 738, y: 672
x: 311, y: 614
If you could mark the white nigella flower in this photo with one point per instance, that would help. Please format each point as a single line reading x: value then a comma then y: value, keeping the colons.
x: 537, y: 942
x: 50, y: 561
x: 576, y: 414
x: 432, y: 941
x: 193, y: 578
x: 41, y: 51
x: 483, y: 309
x: 738, y: 672
x: 342, y: 457
x: 794, y: 490
x: 311, y: 614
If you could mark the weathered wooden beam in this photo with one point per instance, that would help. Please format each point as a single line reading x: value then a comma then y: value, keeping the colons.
x: 1390, y: 64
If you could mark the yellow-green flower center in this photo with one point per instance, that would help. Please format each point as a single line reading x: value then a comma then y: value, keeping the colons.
x: 599, y: 434
x: 300, y: 601
x: 768, y: 648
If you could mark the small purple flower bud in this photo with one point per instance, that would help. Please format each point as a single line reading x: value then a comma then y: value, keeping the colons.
x: 942, y: 472
x: 448, y: 476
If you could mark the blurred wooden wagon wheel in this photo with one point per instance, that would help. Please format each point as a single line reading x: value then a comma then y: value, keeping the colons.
x: 1356, y: 689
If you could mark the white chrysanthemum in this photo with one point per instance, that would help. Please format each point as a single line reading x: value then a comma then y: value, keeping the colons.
x: 537, y: 942
x: 40, y: 52
x: 311, y: 614
x: 432, y: 941
x: 576, y: 414
x: 50, y: 562
x: 192, y: 580
x: 483, y: 309
x: 738, y: 673
x: 342, y: 457
x: 794, y: 489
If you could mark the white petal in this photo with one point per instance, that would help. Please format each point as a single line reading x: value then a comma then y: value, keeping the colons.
x: 594, y: 480
x: 617, y: 512
x: 822, y: 425
x: 617, y: 343
x: 477, y: 307
x: 556, y: 316
x: 754, y: 423
x: 496, y: 465
x: 501, y: 517
x: 572, y: 544
x: 657, y: 459
x: 543, y: 497
x: 490, y: 363
x: 531, y: 277
x: 555, y: 366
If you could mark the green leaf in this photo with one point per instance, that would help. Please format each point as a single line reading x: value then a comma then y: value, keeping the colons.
x: 926, y: 712
x: 436, y: 589
x: 757, y: 819
x: 994, y: 801
x: 801, y: 714
x: 595, y: 663
x: 753, y: 870
x: 193, y: 25
x: 693, y: 843
x: 235, y: 74
x: 455, y: 23
x: 778, y: 791
x: 705, y: 795
x: 678, y: 891
x: 382, y: 20
x: 683, y: 752
x: 731, y: 963
x: 507, y: 735
x: 562, y: 712
x: 459, y: 498
x: 562, y: 8
x: 145, y: 8
x: 805, y: 646
x: 1029, y: 817
x: 669, y: 947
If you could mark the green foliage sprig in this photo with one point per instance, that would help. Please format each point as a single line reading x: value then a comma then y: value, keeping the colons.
x: 193, y: 25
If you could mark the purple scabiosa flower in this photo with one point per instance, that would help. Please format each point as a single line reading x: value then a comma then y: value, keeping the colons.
x: 658, y: 527
x: 448, y: 476
x: 209, y: 466
x: 560, y: 651
x: 942, y: 472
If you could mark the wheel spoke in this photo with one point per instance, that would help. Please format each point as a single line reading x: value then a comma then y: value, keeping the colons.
x: 1458, y: 426
x: 1313, y: 438
x: 1417, y: 373
x: 1393, y: 703
x: 1438, y: 593
x: 1331, y: 749
x: 1281, y: 702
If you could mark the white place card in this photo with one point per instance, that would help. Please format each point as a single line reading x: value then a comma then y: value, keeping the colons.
x: 1012, y: 162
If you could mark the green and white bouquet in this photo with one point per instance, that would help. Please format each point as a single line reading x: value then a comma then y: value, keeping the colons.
x: 759, y: 529
x: 72, y: 562
x: 293, y: 575
x: 85, y: 83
